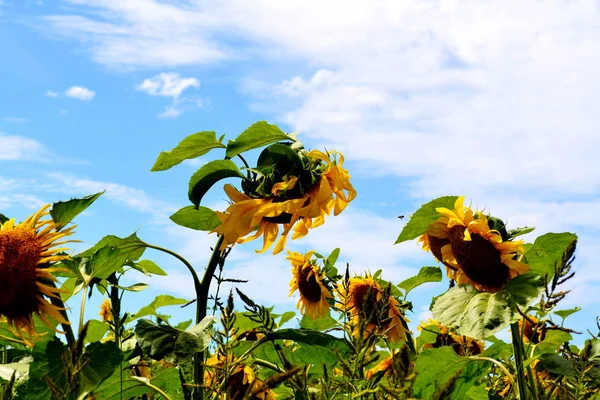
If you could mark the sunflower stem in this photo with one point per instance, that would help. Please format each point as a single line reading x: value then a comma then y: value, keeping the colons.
x: 202, y: 302
x: 519, y: 358
x: 82, y: 306
x: 58, y: 302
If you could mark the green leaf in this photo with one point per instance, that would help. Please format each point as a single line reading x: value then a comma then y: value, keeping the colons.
x: 96, y: 331
x: 553, y: 340
x: 557, y: 365
x: 257, y: 135
x: 332, y: 258
x: 100, y: 360
x: 426, y: 274
x: 192, y: 146
x: 47, y: 365
x: 148, y: 268
x: 318, y: 324
x: 547, y: 251
x: 63, y: 212
x: 313, y: 338
x: 442, y: 374
x: 165, y: 342
x: 209, y: 174
x: 481, y: 314
x: 423, y: 217
x: 428, y: 335
x: 131, y: 246
x: 137, y: 287
x: 513, y: 233
x: 162, y: 300
x: 200, y: 219
x: 110, y: 389
x: 565, y: 313
x: 183, y: 325
x: 285, y: 317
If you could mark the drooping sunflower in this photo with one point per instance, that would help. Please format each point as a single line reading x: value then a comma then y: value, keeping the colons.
x: 309, y: 280
x: 313, y: 187
x: 471, y: 250
x: 240, y: 379
x: 533, y: 330
x: 26, y: 252
x: 364, y: 299
x: 462, y: 345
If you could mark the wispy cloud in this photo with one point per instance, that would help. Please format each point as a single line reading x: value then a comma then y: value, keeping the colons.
x: 14, y: 147
x: 14, y: 119
x: 52, y: 93
x: 171, y: 85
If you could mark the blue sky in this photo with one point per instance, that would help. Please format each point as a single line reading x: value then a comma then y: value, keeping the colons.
x: 495, y: 101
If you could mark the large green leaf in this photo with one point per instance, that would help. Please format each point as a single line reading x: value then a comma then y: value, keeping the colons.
x: 200, y: 219
x: 209, y: 174
x: 313, y: 338
x: 547, y: 251
x: 162, y: 300
x: 131, y: 245
x: 165, y: 342
x: 426, y: 274
x: 192, y: 146
x: 63, y: 212
x: 442, y: 374
x: 423, y: 217
x: 47, y: 366
x: 100, y: 360
x: 481, y: 314
x: 257, y: 135
x: 557, y: 365
x: 95, y: 331
x: 118, y: 386
x: 148, y: 267
x: 553, y: 340
x: 565, y: 313
x: 318, y: 324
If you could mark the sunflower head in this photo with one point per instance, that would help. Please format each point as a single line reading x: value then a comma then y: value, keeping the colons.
x: 312, y: 284
x: 27, y: 251
x: 474, y: 248
x: 533, y: 331
x: 106, y: 311
x: 462, y: 345
x: 291, y: 189
x: 373, y: 308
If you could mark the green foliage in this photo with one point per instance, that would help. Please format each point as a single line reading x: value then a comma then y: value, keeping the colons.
x: 63, y: 212
x: 565, y: 313
x: 481, y: 314
x: 442, y: 374
x: 423, y: 217
x: 192, y: 146
x: 318, y: 324
x: 198, y: 218
x: 209, y: 174
x: 548, y: 251
x: 162, y: 300
x: 257, y: 135
x: 148, y: 268
x: 426, y: 274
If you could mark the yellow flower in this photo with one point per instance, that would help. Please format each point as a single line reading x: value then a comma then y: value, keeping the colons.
x: 26, y: 250
x: 462, y: 345
x: 472, y: 252
x: 332, y: 192
x: 308, y: 280
x: 533, y: 333
x: 364, y: 299
x: 384, y: 365
x: 106, y: 311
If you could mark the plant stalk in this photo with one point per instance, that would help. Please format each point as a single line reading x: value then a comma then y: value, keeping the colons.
x: 57, y: 301
x: 202, y: 291
x: 519, y: 358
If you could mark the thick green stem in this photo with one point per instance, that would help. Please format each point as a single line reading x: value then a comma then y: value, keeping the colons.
x: 519, y: 358
x: 82, y: 306
x: 201, y: 304
x: 185, y: 262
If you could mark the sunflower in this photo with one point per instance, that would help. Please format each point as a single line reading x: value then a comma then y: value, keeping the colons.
x: 462, y: 345
x: 472, y: 252
x: 533, y: 331
x: 364, y: 298
x: 26, y: 250
x: 309, y: 281
x: 240, y: 379
x: 306, y: 209
x: 106, y: 311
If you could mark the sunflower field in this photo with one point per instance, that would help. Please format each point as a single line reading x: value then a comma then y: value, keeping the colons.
x: 349, y: 337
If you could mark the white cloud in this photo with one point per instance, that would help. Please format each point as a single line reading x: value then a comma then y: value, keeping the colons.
x: 52, y: 93
x: 80, y: 93
x: 168, y: 84
x: 19, y: 148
